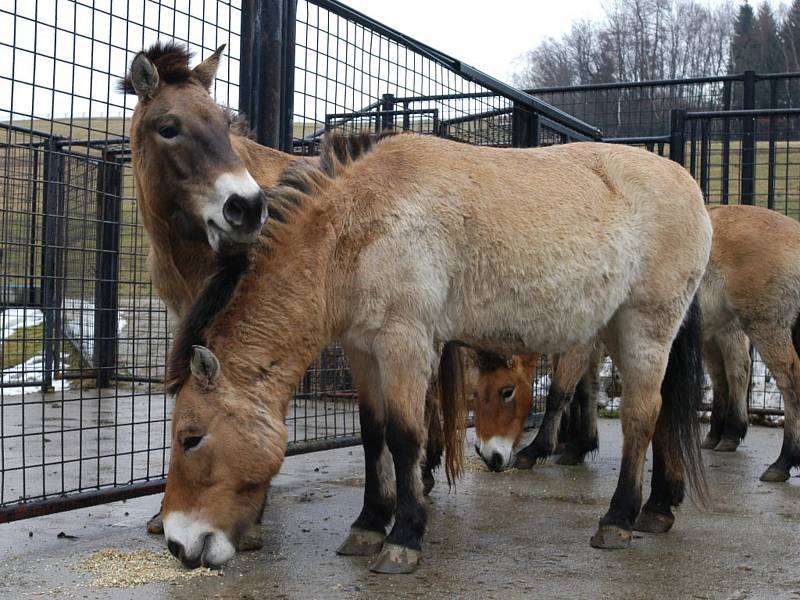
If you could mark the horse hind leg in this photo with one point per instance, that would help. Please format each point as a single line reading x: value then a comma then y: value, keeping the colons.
x: 735, y: 348
x: 368, y: 531
x: 780, y: 356
x: 662, y: 383
x: 583, y: 435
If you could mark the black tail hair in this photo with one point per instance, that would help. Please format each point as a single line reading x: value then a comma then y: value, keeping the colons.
x: 682, y: 396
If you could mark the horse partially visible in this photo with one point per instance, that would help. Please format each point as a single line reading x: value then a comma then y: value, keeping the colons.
x: 419, y: 242
x: 505, y: 399
x: 750, y: 292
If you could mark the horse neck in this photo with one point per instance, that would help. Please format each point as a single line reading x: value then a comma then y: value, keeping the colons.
x: 280, y: 317
x: 264, y: 164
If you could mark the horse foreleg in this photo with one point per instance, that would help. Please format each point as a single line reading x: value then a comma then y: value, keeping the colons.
x: 369, y: 529
x: 567, y: 372
x: 715, y: 364
x: 435, y: 445
x: 404, y: 378
x: 582, y: 438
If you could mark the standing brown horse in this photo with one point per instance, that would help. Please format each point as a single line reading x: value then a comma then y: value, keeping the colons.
x: 415, y: 244
x: 751, y: 289
x: 198, y: 182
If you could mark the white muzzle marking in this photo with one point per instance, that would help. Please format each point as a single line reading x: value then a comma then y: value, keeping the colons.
x: 497, y: 445
x: 228, y: 184
x: 198, y: 538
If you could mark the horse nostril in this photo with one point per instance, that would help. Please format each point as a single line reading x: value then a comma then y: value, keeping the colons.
x: 176, y: 549
x: 234, y: 210
x: 496, y: 462
x: 244, y: 212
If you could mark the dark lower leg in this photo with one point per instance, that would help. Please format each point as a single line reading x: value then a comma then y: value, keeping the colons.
x: 435, y: 446
x: 544, y: 444
x: 410, y: 513
x: 583, y: 428
x: 378, y: 501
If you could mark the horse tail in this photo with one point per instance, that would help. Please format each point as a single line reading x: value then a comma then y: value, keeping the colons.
x: 682, y: 396
x: 453, y: 402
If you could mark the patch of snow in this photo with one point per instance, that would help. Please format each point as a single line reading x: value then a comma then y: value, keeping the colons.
x: 12, y: 319
x: 32, y: 370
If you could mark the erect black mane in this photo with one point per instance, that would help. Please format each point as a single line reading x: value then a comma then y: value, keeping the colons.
x: 215, y: 296
x: 488, y: 361
x: 337, y: 150
x: 171, y: 60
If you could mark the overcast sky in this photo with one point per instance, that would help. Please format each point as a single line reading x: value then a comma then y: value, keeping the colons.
x: 486, y: 34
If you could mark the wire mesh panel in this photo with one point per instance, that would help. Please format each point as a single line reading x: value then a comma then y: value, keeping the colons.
x: 643, y: 108
x: 83, y: 335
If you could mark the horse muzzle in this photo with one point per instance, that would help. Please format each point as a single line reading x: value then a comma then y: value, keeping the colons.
x: 196, y: 543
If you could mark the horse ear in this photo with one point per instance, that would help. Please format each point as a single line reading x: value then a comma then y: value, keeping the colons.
x: 144, y: 76
x: 526, y: 362
x: 204, y: 366
x: 206, y: 71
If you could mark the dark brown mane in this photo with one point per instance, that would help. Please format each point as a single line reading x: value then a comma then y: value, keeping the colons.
x: 215, y: 296
x: 338, y: 150
x: 172, y: 62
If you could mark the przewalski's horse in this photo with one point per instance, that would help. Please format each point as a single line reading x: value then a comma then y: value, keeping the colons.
x: 418, y: 242
x: 198, y: 181
x: 505, y: 398
x: 751, y: 288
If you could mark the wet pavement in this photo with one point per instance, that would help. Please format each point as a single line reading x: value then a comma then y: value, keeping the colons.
x: 509, y: 535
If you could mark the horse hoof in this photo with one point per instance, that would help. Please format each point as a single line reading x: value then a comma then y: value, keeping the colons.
x: 709, y: 443
x: 361, y: 542
x: 252, y: 539
x: 155, y: 525
x: 523, y: 462
x: 570, y: 458
x: 653, y: 522
x: 774, y: 475
x: 727, y: 445
x: 394, y: 560
x: 611, y: 537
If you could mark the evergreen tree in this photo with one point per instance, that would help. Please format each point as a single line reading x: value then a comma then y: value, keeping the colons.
x: 790, y: 37
x: 744, y: 46
x: 769, y: 43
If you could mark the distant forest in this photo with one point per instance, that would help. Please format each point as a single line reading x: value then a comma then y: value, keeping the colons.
x: 666, y: 39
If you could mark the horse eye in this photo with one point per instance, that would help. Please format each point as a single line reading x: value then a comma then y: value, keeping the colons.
x: 191, y: 442
x: 507, y: 393
x: 168, y: 132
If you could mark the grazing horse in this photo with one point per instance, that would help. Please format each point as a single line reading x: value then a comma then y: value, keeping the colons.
x: 198, y: 182
x: 423, y: 241
x: 505, y: 398
x: 750, y: 291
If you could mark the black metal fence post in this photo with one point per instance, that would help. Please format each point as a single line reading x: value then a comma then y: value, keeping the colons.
x: 52, y: 250
x: 726, y: 142
x: 773, y: 103
x: 748, y: 167
x: 266, y: 70
x: 524, y: 127
x: 386, y: 120
x: 677, y: 135
x: 106, y: 290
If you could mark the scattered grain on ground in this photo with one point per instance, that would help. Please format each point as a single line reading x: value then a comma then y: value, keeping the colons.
x: 114, y: 568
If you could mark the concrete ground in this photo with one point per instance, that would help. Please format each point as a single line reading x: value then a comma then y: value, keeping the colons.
x: 509, y: 535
